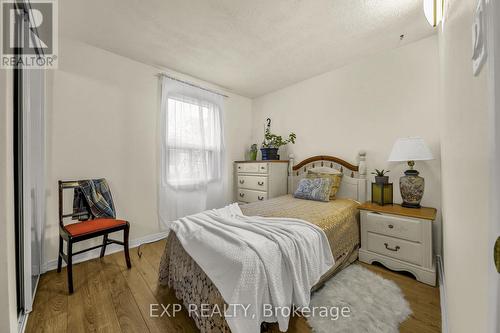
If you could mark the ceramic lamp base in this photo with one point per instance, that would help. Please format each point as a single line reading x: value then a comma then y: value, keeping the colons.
x: 412, y: 188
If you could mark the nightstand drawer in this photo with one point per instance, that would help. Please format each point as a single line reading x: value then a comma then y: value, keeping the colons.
x: 395, y: 248
x: 251, y: 196
x: 396, y: 226
x: 258, y: 183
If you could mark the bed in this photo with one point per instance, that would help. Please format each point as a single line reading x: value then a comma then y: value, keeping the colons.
x: 338, y: 219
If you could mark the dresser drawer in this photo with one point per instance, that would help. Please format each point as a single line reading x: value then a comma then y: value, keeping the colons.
x: 251, y: 196
x: 258, y: 183
x: 395, y: 248
x: 262, y: 167
x: 247, y: 167
x: 396, y: 226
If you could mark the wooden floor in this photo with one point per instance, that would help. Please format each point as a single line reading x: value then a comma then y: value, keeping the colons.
x: 110, y: 298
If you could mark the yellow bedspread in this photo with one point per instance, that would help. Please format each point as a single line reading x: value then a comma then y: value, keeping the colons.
x: 337, y: 218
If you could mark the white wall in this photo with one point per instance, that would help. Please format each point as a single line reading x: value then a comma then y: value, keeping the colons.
x: 102, y: 122
x: 8, y: 306
x: 366, y: 105
x: 466, y: 174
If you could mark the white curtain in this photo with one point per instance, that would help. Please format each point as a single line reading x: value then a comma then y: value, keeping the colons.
x: 192, y: 175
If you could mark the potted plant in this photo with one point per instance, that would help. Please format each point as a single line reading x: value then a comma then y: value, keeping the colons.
x: 273, y: 142
x: 253, y: 152
x: 380, y: 176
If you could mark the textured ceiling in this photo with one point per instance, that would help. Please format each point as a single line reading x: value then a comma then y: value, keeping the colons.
x: 250, y: 47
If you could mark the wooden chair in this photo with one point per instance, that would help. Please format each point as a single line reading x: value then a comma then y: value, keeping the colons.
x: 77, y: 232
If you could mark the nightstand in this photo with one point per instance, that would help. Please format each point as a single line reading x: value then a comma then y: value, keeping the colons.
x: 399, y: 238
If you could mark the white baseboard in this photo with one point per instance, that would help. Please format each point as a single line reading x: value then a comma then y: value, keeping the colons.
x: 442, y: 294
x: 112, y: 248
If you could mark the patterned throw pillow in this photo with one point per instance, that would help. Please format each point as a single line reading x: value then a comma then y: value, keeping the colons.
x: 317, y: 189
x: 336, y: 178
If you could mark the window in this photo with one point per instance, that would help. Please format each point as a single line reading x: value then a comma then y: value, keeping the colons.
x: 192, y: 164
x: 193, y: 142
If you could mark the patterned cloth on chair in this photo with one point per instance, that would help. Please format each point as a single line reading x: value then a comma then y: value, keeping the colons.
x: 93, y: 196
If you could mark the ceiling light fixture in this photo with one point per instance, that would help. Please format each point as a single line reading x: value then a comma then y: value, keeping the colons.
x: 433, y: 10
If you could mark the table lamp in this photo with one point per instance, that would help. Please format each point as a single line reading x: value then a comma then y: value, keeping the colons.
x: 411, y: 184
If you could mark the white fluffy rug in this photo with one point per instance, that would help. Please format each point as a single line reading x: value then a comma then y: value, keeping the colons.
x: 376, y: 305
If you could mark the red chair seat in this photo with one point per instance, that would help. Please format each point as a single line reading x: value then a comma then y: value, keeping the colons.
x: 91, y: 226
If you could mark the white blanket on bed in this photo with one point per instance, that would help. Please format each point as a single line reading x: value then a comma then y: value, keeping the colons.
x: 255, y: 262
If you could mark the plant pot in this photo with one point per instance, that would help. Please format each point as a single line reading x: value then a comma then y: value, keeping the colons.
x: 269, y: 154
x: 382, y: 179
x: 253, y: 155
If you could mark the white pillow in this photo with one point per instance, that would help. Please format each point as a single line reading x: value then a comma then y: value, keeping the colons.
x: 327, y: 170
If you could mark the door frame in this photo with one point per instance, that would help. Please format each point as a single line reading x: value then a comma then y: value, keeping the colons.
x: 22, y: 144
x: 18, y: 174
x: 493, y: 65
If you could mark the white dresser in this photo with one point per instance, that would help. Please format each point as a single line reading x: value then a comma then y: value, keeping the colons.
x: 260, y: 180
x: 399, y: 238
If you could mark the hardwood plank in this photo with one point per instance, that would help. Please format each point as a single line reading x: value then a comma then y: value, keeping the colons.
x: 159, y: 247
x: 148, y: 271
x: 153, y: 252
x: 148, y: 266
x: 423, y: 299
x: 54, y: 324
x: 126, y: 309
x: 102, y: 301
x: 90, y: 307
x: 51, y: 301
x: 78, y: 318
x: 146, y: 294
x: 143, y: 296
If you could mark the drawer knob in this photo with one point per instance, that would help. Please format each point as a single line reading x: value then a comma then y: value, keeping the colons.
x: 262, y: 167
x: 390, y: 226
x: 242, y: 181
x: 260, y: 198
x: 390, y: 248
x: 242, y: 195
x: 260, y: 183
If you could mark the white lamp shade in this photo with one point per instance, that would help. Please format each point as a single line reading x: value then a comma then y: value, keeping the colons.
x: 410, y: 149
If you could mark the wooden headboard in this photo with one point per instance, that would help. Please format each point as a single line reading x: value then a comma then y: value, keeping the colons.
x: 354, y: 181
